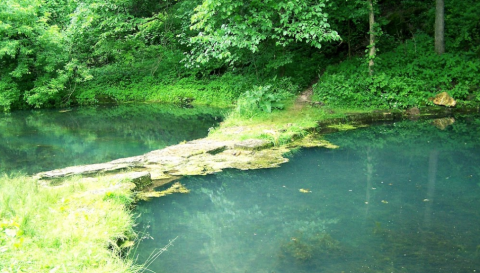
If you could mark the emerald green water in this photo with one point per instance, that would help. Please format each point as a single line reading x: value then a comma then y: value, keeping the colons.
x: 34, y: 141
x: 402, y: 197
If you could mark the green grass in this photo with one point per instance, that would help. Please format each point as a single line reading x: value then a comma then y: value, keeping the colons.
x: 214, y: 91
x: 280, y: 126
x: 72, y: 227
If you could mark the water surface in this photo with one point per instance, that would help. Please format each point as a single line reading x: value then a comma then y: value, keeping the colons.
x: 401, y: 197
x: 40, y: 140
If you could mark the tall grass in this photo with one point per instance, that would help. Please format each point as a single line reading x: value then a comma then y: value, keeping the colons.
x: 72, y: 227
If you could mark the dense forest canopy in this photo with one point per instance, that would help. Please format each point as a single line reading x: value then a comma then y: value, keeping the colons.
x: 366, y: 53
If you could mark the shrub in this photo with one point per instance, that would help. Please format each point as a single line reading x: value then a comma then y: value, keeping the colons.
x: 260, y: 99
x: 405, y: 77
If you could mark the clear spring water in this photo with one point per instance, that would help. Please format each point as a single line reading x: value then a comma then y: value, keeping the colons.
x: 40, y: 140
x: 401, y: 197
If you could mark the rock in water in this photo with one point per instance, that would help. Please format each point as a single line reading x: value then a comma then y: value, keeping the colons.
x: 414, y: 111
x: 444, y: 99
x: 443, y: 123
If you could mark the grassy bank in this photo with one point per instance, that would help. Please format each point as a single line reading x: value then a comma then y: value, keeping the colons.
x: 216, y: 91
x: 73, y: 227
x: 135, y: 83
x: 279, y: 126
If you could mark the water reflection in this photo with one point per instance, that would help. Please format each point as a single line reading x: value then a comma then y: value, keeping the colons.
x: 432, y: 176
x: 34, y: 141
x: 395, y: 198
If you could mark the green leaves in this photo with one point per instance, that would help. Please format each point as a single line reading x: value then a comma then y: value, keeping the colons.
x: 31, y: 50
x: 225, y: 26
x: 9, y: 93
x: 260, y: 98
x: 41, y: 62
x: 406, y: 77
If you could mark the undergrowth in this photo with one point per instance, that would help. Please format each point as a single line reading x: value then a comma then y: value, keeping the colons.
x: 263, y: 113
x: 215, y: 91
x: 73, y: 227
x: 408, y: 76
x: 127, y: 84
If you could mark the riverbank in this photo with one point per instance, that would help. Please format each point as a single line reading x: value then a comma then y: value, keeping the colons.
x: 77, y: 208
x: 75, y: 226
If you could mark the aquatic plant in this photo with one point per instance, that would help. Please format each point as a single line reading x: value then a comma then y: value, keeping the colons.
x: 303, y: 247
x: 435, y: 246
x: 218, y: 225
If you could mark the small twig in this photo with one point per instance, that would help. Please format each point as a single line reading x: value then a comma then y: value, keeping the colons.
x: 154, y: 255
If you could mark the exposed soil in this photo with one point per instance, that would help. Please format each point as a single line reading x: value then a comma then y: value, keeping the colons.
x: 304, y: 98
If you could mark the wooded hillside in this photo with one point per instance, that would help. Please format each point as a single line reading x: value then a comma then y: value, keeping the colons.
x: 366, y: 53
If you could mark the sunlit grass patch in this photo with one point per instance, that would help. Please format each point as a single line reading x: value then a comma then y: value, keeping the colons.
x: 343, y: 127
x: 279, y: 126
x: 73, y: 227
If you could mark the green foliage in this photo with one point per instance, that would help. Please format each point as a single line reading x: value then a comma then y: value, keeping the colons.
x: 9, y: 93
x: 405, y: 77
x: 34, y: 64
x: 163, y: 86
x: 49, y: 50
x: 350, y: 20
x: 118, y: 197
x: 102, y: 31
x: 261, y: 99
x: 258, y: 99
x: 27, y: 52
x: 227, y: 25
x: 462, y: 27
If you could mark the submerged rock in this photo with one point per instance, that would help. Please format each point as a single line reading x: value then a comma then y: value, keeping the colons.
x: 175, y: 188
x: 444, y: 99
x: 443, y: 123
x: 414, y: 111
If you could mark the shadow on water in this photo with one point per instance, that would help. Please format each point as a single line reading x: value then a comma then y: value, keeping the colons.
x: 401, y: 197
x: 34, y: 141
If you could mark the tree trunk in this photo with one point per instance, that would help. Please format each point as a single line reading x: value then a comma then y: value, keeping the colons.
x: 371, y: 21
x: 349, y: 42
x: 440, y: 27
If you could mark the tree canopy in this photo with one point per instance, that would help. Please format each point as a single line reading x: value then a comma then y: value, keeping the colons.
x: 226, y: 24
x: 59, y: 52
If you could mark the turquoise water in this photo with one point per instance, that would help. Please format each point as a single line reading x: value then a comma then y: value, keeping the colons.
x: 400, y: 197
x: 40, y: 140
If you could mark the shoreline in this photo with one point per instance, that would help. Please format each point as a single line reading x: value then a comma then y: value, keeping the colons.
x: 126, y: 180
